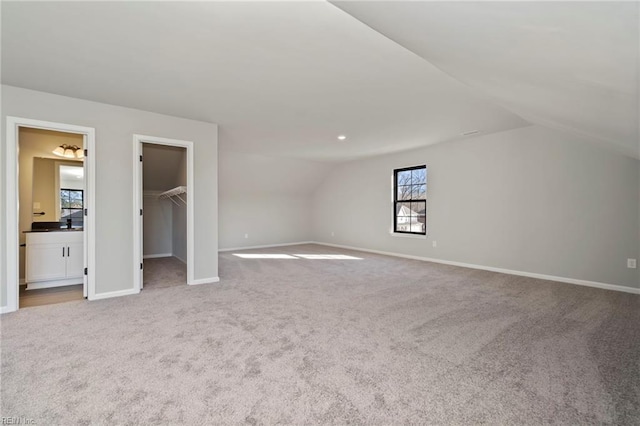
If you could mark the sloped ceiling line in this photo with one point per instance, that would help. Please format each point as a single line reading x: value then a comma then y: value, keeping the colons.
x: 568, y: 66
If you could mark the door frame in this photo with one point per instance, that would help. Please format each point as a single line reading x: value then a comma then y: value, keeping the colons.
x: 138, y: 140
x: 12, y: 226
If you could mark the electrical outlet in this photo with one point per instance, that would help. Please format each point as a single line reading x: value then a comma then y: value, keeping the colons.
x: 434, y: 243
x: 246, y: 235
x: 631, y: 263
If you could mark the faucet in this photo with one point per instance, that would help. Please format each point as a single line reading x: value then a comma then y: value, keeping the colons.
x: 68, y: 223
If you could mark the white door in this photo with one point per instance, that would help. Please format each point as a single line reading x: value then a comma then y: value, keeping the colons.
x: 46, y: 262
x: 141, y: 201
x: 75, y: 260
x: 85, y: 234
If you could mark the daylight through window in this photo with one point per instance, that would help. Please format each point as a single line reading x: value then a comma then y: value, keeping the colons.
x: 410, y: 200
x: 71, y: 206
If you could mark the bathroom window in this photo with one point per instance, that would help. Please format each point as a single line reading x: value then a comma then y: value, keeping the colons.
x: 72, y: 206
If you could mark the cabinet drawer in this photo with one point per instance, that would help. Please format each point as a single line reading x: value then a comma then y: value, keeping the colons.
x: 54, y: 237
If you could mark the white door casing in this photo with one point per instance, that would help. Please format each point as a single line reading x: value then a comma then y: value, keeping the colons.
x: 11, y: 201
x: 138, y: 140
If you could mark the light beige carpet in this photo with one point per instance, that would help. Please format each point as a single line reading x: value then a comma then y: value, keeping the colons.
x: 163, y: 272
x: 324, y: 340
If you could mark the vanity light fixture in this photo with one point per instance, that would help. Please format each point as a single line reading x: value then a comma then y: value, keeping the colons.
x: 69, y: 151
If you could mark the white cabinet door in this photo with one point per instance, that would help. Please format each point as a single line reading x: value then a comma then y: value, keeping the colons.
x: 75, y: 260
x: 46, y: 262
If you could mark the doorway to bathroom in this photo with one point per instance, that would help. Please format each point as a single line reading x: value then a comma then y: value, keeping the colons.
x: 49, y: 215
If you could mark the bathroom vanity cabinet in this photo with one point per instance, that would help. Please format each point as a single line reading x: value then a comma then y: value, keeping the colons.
x: 54, y: 259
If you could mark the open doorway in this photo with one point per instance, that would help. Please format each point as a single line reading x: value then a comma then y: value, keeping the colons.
x: 164, y: 201
x: 49, y: 240
x: 164, y: 221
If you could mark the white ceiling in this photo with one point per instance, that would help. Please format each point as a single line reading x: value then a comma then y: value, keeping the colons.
x: 569, y: 65
x: 285, y: 78
x: 280, y: 78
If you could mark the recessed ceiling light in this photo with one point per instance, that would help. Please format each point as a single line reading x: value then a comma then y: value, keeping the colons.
x: 342, y: 137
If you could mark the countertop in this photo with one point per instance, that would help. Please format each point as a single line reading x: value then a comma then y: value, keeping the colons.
x: 54, y: 230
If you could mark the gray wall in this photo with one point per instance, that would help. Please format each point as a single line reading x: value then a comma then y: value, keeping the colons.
x: 267, y: 219
x: 530, y: 199
x: 114, y: 176
x: 266, y: 197
x: 158, y: 225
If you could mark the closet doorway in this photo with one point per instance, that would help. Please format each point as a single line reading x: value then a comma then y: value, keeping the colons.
x: 164, y: 214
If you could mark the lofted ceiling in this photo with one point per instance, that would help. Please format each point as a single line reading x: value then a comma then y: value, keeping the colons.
x: 280, y: 78
x: 567, y: 65
x: 284, y: 79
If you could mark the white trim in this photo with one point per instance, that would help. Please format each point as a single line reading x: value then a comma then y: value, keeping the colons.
x: 110, y: 294
x: 205, y: 281
x: 6, y: 309
x: 138, y: 203
x: 267, y: 246
x: 586, y: 283
x: 89, y: 224
x: 11, y: 247
x: 138, y: 140
x: 403, y: 235
x: 54, y: 283
x: 155, y: 256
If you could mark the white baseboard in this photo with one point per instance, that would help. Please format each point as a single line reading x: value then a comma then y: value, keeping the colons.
x: 154, y: 256
x: 6, y: 310
x: 179, y: 258
x: 54, y: 283
x: 267, y: 246
x: 575, y: 281
x: 111, y: 294
x: 205, y: 281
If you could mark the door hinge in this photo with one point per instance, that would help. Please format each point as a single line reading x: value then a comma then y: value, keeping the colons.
x: 86, y: 270
x: 140, y: 212
x: 141, y: 158
x: 141, y: 266
x: 86, y: 152
x: 85, y: 212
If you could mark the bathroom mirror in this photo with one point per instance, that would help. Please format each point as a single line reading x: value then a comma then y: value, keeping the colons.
x: 58, y: 191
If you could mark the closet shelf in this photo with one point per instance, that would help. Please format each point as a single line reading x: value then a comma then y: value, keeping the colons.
x: 175, y: 192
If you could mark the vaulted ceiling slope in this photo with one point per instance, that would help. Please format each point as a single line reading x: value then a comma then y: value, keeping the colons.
x: 570, y: 65
x: 163, y: 168
x: 280, y: 78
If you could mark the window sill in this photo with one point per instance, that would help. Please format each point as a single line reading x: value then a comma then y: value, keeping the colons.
x: 400, y: 234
